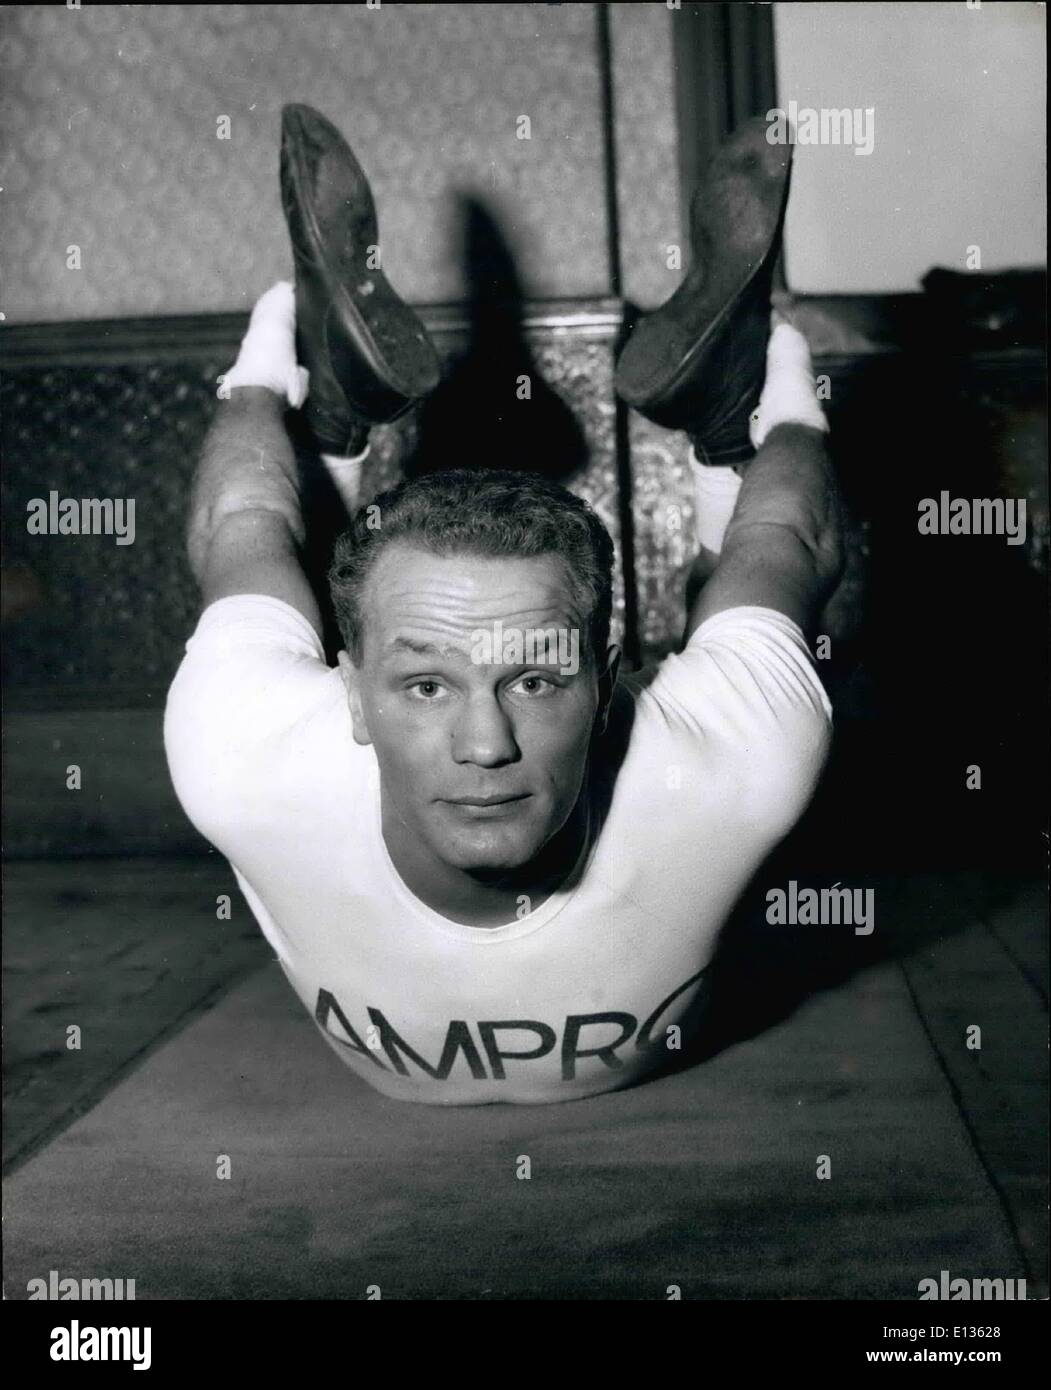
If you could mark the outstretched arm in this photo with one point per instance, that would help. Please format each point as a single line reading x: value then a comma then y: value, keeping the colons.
x: 245, y: 525
x: 783, y: 546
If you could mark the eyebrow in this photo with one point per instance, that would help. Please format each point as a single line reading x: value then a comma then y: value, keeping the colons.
x: 399, y: 645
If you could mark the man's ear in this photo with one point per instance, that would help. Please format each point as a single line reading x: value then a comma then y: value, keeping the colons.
x: 351, y: 684
x: 607, y: 682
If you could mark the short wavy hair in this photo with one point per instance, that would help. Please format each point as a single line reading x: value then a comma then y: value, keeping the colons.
x: 482, y: 513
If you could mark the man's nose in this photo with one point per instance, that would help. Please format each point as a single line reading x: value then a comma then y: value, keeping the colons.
x: 483, y: 733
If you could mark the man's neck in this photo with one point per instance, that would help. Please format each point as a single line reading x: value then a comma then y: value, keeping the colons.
x: 480, y: 900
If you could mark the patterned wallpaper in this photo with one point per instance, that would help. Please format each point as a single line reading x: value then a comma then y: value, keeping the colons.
x: 109, y: 121
x: 646, y: 135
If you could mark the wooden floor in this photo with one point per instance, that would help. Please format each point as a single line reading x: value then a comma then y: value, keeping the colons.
x: 193, y: 1046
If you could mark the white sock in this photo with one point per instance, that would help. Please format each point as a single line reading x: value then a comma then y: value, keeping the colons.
x: 789, y: 395
x: 346, y: 474
x: 715, y: 494
x: 268, y: 350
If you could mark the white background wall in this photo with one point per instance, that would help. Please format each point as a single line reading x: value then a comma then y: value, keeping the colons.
x: 960, y: 152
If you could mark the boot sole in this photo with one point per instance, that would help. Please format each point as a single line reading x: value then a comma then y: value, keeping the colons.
x: 371, y: 337
x: 661, y: 356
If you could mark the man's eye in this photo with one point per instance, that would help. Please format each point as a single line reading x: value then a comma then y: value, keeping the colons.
x: 426, y: 690
x: 535, y: 685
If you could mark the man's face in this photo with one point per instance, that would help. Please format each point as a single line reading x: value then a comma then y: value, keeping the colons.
x: 481, y: 758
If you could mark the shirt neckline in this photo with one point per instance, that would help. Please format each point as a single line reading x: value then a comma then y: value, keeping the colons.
x: 460, y: 931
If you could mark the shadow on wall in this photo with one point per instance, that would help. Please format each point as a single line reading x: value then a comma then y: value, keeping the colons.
x: 494, y: 409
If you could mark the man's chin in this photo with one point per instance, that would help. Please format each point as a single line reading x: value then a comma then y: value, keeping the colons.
x: 488, y: 850
x: 486, y: 859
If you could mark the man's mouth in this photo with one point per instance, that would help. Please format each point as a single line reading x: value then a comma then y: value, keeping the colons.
x: 495, y: 807
x: 482, y: 801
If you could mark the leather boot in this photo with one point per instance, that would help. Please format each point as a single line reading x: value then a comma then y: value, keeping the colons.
x: 697, y: 363
x: 368, y: 354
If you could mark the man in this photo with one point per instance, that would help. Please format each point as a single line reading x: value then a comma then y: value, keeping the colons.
x: 491, y: 869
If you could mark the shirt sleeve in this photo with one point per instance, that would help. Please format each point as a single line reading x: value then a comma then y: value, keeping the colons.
x: 253, y: 678
x: 745, y: 695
